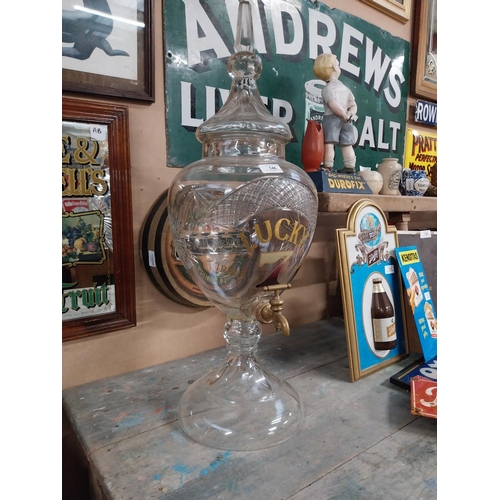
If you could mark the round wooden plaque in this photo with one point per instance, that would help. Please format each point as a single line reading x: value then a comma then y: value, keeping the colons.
x: 158, y: 256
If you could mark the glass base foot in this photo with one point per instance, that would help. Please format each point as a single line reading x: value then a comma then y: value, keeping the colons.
x: 240, y: 407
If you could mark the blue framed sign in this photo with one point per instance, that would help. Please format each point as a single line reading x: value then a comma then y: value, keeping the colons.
x: 366, y: 254
x: 418, y: 368
x: 289, y: 35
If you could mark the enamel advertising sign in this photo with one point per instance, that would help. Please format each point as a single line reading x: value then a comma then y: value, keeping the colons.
x: 423, y: 397
x: 289, y: 35
x: 421, y: 151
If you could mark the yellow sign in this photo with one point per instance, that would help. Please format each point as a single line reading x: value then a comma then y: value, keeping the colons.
x: 420, y: 151
x: 409, y: 257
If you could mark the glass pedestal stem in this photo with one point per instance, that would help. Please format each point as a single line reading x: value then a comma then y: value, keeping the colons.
x: 240, y: 406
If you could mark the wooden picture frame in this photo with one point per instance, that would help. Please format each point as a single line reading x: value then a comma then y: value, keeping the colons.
x: 397, y: 9
x: 98, y: 273
x: 365, y: 250
x: 424, y: 53
x: 120, y: 64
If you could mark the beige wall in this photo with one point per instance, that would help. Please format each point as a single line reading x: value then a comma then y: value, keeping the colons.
x: 166, y: 330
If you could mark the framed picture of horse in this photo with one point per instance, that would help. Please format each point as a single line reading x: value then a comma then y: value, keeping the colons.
x: 107, y: 48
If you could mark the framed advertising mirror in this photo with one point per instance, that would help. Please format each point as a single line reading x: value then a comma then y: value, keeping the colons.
x: 98, y: 280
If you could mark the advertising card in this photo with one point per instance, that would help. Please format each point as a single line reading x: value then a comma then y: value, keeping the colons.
x: 419, y: 298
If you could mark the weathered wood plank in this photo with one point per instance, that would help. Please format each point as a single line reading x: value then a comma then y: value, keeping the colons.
x: 399, y: 467
x: 342, y: 419
x: 136, y: 450
x: 106, y: 411
x: 339, y: 202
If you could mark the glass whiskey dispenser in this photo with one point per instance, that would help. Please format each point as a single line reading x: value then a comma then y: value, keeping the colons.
x: 242, y: 220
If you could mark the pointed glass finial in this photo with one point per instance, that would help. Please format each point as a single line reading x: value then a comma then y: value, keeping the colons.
x: 244, y: 125
x: 244, y: 63
x: 244, y: 32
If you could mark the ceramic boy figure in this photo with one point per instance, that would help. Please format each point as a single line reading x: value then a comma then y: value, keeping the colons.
x: 340, y: 110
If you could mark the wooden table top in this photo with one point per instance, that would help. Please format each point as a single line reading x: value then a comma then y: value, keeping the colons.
x: 358, y: 440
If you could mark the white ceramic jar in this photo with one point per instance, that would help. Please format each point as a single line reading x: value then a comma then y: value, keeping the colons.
x: 390, y: 169
x: 373, y: 179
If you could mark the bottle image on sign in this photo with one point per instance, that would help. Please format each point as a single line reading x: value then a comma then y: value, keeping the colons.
x: 383, y: 319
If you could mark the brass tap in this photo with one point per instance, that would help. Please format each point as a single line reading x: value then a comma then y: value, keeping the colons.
x: 270, y: 312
